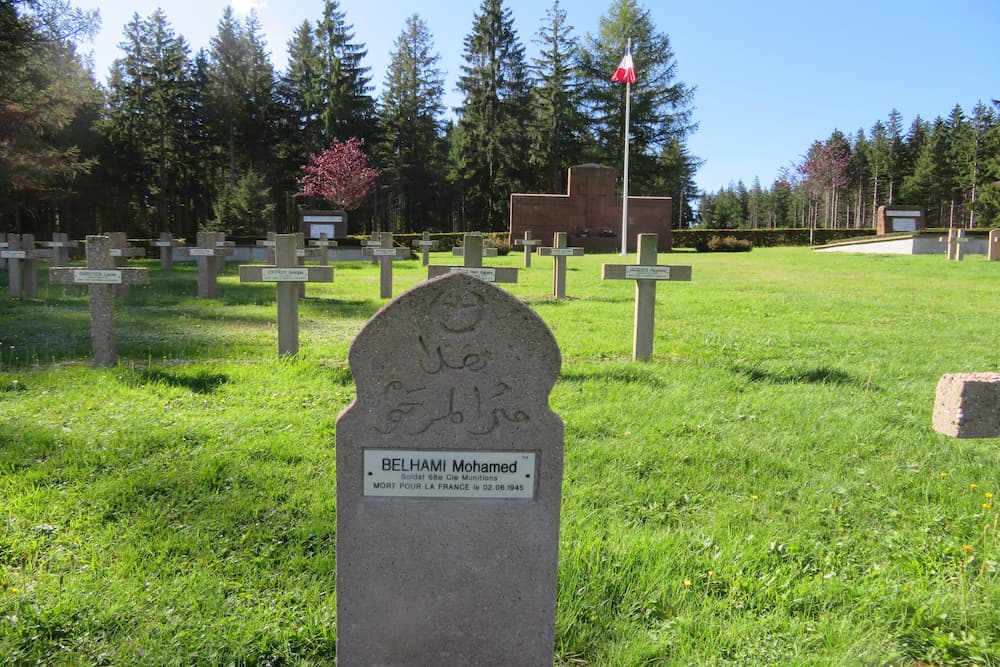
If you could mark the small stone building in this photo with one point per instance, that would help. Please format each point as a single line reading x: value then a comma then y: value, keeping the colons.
x: 891, y: 219
x: 590, y: 212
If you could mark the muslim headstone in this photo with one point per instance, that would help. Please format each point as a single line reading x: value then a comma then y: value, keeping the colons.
x: 100, y: 276
x: 646, y: 273
x: 425, y: 243
x: 472, y: 263
x: 288, y: 274
x: 60, y: 246
x: 559, y: 252
x: 529, y: 247
x: 449, y: 468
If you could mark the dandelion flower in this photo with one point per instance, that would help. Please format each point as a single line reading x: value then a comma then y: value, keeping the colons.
x: 687, y: 582
x: 967, y: 548
x: 973, y: 486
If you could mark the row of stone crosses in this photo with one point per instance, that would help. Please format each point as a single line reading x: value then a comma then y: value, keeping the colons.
x: 107, y: 274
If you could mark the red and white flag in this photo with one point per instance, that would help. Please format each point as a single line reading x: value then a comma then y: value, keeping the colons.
x: 626, y: 70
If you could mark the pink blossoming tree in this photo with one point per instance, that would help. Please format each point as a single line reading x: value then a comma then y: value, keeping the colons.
x: 340, y: 175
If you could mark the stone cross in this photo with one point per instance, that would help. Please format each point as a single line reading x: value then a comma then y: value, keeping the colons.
x: 60, y: 245
x: 449, y: 468
x: 208, y: 253
x: 460, y: 251
x: 529, y: 247
x: 386, y: 254
x: 425, y: 243
x: 288, y: 274
x: 472, y: 252
x: 121, y: 251
x: 993, y: 246
x: 368, y: 244
x: 166, y: 244
x: 100, y: 276
x: 269, y: 244
x: 559, y: 252
x: 3, y: 246
x: 22, y: 265
x: 645, y: 273
x: 956, y: 239
x: 324, y: 244
x: 221, y: 242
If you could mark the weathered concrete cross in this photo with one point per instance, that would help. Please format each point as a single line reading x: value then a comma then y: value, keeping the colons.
x: 529, y: 247
x: 324, y: 243
x: 288, y: 274
x: 60, y: 245
x: 166, y: 244
x: 425, y: 243
x: 479, y: 251
x: 386, y: 254
x: 208, y: 253
x: 269, y: 244
x: 559, y: 252
x: 22, y: 256
x: 956, y: 239
x: 100, y: 276
x: 121, y: 251
x: 374, y: 242
x: 645, y: 274
x: 3, y: 246
x: 472, y: 252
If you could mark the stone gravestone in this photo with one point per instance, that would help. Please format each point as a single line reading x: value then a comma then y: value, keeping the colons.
x: 956, y: 241
x: 269, y: 244
x: 472, y: 263
x: 208, y: 253
x: 166, y: 244
x: 3, y: 246
x: 323, y: 243
x: 425, y: 243
x: 645, y: 273
x: 121, y: 251
x: 559, y: 252
x: 22, y: 265
x: 60, y: 246
x: 449, y: 468
x: 100, y: 276
x: 993, y: 246
x: 967, y: 405
x: 288, y: 274
x: 479, y: 251
x: 529, y: 246
x: 385, y: 254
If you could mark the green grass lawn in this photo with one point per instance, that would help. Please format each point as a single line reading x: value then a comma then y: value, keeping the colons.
x: 767, y: 490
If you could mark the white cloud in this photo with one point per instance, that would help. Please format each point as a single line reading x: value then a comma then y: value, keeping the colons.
x: 244, y: 7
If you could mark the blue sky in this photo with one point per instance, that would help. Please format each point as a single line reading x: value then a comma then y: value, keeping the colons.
x: 771, y: 77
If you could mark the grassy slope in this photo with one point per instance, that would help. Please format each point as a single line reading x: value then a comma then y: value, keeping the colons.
x: 766, y: 491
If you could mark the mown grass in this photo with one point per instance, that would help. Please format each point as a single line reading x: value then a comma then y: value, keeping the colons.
x: 767, y: 490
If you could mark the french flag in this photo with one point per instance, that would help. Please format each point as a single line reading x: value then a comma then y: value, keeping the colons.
x: 626, y: 70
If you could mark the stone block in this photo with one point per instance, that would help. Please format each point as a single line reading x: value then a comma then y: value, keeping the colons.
x: 967, y: 405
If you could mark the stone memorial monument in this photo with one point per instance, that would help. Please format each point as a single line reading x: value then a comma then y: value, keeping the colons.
x: 100, y: 276
x: 472, y: 263
x: 645, y: 273
x: 449, y: 473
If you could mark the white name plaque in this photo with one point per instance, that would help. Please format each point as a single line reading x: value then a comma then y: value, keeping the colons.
x: 904, y: 225
x: 561, y: 252
x: 202, y: 252
x: 163, y: 244
x: 13, y: 254
x: 487, y: 274
x: 322, y: 218
x: 900, y: 213
x: 640, y: 272
x: 97, y: 277
x: 285, y: 275
x: 116, y: 252
x: 448, y: 474
x: 384, y: 252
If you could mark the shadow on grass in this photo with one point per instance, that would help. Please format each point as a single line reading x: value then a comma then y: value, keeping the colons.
x: 200, y: 382
x: 623, y: 375
x: 818, y: 375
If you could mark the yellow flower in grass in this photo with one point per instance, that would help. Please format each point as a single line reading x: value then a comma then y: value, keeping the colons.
x: 973, y: 486
x: 989, y: 496
x: 687, y: 582
x: 967, y: 548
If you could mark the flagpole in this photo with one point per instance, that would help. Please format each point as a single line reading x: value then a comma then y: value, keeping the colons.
x: 628, y: 112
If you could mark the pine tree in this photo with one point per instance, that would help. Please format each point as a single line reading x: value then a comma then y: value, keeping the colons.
x: 661, y: 105
x: 493, y: 117
x: 347, y: 108
x: 411, y: 128
x: 558, y: 126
